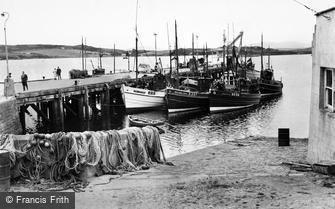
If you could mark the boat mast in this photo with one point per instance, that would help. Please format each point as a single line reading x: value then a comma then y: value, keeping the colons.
x: 177, y: 58
x: 184, y: 55
x: 224, y: 49
x: 85, y: 54
x: 262, y: 52
x: 170, y: 54
x: 206, y: 52
x: 82, y: 53
x: 114, y: 58
x: 193, y: 45
x: 269, y: 57
x: 136, y: 42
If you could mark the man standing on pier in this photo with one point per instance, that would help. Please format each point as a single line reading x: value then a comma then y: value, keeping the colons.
x: 59, y: 73
x: 24, y: 80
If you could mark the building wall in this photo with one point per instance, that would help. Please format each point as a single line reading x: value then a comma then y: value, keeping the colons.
x: 9, y: 117
x: 321, y: 144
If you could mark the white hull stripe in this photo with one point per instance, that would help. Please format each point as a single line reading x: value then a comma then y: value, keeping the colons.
x: 217, y: 109
x: 183, y: 109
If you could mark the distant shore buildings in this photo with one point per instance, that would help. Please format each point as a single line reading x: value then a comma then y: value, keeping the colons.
x: 321, y: 145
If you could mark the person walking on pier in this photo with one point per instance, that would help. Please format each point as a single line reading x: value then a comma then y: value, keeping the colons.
x: 24, y: 80
x: 59, y: 72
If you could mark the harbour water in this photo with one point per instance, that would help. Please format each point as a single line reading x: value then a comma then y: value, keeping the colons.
x: 195, y: 131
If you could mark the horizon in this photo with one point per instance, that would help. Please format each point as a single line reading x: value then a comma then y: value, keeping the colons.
x: 105, y: 22
x: 287, y: 45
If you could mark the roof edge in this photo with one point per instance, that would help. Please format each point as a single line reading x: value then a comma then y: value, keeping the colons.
x: 324, y: 11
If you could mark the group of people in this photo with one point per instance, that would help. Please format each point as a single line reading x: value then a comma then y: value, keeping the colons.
x: 57, y: 73
x: 24, y: 77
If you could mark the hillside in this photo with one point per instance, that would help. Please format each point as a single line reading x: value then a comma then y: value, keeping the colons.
x: 64, y: 51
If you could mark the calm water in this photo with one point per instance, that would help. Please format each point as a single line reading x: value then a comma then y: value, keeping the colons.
x: 195, y: 131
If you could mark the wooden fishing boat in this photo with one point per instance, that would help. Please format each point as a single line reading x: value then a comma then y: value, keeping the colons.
x: 230, y: 101
x: 178, y: 100
x: 268, y: 86
x: 141, y: 122
x: 234, y: 90
x: 136, y: 99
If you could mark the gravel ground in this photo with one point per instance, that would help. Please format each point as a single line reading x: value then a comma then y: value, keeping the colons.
x: 245, y: 173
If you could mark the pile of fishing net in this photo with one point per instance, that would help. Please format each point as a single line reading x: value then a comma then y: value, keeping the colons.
x: 66, y: 157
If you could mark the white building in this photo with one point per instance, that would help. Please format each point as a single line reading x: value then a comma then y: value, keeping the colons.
x: 321, y: 144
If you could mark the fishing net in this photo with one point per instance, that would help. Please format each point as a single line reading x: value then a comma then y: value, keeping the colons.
x: 63, y: 158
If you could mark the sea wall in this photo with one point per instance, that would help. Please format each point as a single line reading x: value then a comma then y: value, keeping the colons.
x: 9, y: 116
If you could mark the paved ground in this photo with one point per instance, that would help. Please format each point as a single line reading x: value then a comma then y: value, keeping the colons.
x: 56, y: 84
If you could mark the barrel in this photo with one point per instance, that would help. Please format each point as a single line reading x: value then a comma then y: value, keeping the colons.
x: 283, y: 137
x: 4, y: 171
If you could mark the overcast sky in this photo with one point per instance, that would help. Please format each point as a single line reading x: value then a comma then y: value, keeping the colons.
x: 105, y: 22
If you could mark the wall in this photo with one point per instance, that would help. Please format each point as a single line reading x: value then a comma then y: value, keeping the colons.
x: 9, y: 117
x: 321, y: 144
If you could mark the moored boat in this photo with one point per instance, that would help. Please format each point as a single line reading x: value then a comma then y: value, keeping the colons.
x: 234, y: 90
x: 230, y: 101
x: 141, y: 122
x: 136, y: 99
x: 268, y: 86
x: 178, y: 100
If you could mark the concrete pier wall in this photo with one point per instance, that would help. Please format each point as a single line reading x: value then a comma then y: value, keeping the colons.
x: 9, y: 117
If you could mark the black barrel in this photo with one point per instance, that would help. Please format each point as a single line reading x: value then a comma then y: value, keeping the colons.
x: 4, y: 171
x: 283, y: 137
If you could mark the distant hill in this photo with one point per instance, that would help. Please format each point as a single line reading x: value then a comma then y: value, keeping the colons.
x: 29, y: 51
x: 284, y: 45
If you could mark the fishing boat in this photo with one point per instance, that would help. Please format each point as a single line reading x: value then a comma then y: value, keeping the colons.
x: 230, y: 101
x: 178, y: 100
x: 137, y: 99
x: 186, y: 97
x: 269, y: 87
x: 229, y: 94
x: 233, y: 90
x: 141, y: 122
x: 140, y: 97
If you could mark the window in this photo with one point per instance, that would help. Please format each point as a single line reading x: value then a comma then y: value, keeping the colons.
x: 329, y: 89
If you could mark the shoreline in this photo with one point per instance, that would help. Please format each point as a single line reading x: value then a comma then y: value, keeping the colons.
x: 150, y: 55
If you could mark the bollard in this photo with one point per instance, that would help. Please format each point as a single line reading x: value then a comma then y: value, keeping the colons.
x: 283, y: 137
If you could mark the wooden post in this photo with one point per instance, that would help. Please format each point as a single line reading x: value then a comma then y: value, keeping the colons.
x: 50, y: 111
x: 58, y: 112
x: 105, y: 106
x: 86, y: 103
x: 80, y: 106
x: 61, y: 111
x: 23, y: 118
x: 38, y: 115
x: 93, y: 102
x: 44, y: 109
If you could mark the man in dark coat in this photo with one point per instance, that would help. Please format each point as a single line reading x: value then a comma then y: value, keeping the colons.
x: 24, y: 80
x: 59, y: 73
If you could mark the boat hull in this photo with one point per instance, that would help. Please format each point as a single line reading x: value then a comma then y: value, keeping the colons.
x: 142, y: 99
x: 226, y: 102
x: 182, y: 101
x: 266, y: 88
x: 142, y: 122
